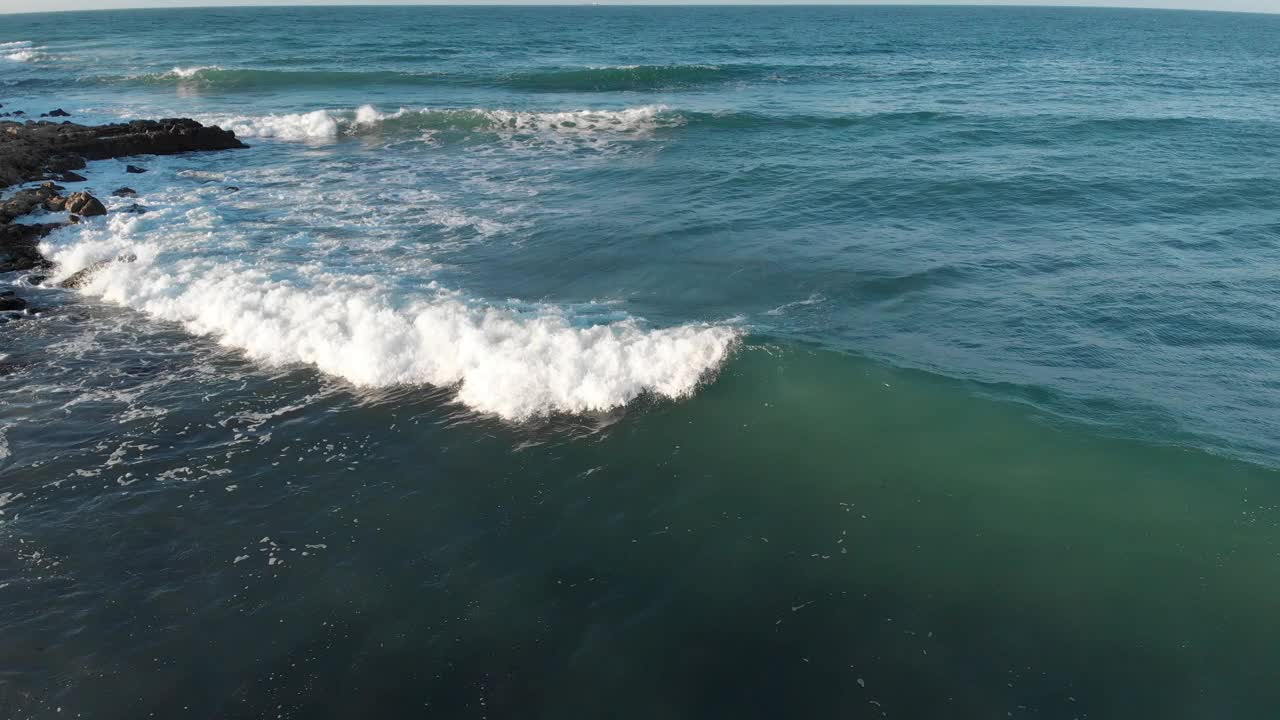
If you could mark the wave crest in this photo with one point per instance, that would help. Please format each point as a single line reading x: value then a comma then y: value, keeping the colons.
x: 614, y: 79
x: 512, y: 360
x: 329, y: 125
x: 21, y: 51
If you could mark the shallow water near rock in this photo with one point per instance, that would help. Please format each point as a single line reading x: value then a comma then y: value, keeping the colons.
x: 651, y: 362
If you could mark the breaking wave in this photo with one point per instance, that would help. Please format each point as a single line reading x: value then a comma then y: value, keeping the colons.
x: 21, y: 51
x: 328, y: 125
x: 513, y: 360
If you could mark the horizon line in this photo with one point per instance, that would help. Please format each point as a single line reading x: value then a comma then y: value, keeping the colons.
x: 629, y: 3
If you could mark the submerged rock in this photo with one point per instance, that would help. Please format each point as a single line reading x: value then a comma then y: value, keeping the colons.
x: 134, y: 169
x: 12, y: 303
x: 80, y: 278
x: 124, y: 192
x: 134, y: 209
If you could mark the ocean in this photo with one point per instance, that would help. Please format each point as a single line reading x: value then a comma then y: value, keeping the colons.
x: 639, y: 362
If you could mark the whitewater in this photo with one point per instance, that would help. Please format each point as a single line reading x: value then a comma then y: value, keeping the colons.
x: 514, y: 359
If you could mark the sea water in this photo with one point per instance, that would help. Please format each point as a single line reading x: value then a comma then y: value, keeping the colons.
x: 653, y: 363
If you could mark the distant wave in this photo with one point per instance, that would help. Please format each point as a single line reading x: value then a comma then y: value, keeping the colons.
x: 602, y: 79
x: 328, y: 124
x: 747, y: 120
x: 21, y: 51
x: 333, y: 124
x: 215, y: 77
x: 641, y: 121
x: 629, y: 77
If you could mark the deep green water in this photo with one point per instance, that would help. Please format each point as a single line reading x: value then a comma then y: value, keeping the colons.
x: 654, y: 363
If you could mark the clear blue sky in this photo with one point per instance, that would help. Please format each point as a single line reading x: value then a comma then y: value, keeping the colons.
x: 46, y: 5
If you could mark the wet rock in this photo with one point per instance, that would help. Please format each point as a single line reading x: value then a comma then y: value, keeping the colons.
x: 50, y: 185
x: 68, y: 176
x: 133, y: 209
x: 233, y: 188
x: 12, y: 303
x: 19, y: 246
x: 56, y: 113
x: 134, y: 169
x: 82, y: 203
x: 74, y: 219
x: 36, y: 279
x: 81, y: 278
x: 29, y: 150
x: 124, y: 192
x: 26, y: 201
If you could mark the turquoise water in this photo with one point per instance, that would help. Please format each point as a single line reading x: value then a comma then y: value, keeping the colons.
x: 640, y: 362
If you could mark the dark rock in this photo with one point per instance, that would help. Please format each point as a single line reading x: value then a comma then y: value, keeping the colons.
x: 19, y: 246
x: 124, y: 192
x: 7, y: 293
x: 26, y: 201
x: 134, y: 209
x: 82, y: 203
x: 12, y: 303
x: 18, y: 113
x: 81, y: 278
x: 36, y: 279
x: 68, y: 176
x: 62, y: 162
x: 29, y: 150
x: 56, y: 113
x: 233, y: 188
x: 73, y: 219
x: 134, y: 169
x: 52, y: 186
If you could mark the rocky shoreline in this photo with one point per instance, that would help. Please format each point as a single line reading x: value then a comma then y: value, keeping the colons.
x: 51, y: 152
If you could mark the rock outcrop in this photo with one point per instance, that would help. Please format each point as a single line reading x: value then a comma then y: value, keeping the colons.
x: 46, y: 150
x: 82, y: 203
x: 34, y: 150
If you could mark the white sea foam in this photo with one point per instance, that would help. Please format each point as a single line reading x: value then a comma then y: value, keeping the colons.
x: 24, y: 54
x: 20, y: 51
x: 317, y: 125
x: 813, y: 299
x: 515, y: 363
x: 190, y: 72
x: 330, y: 124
